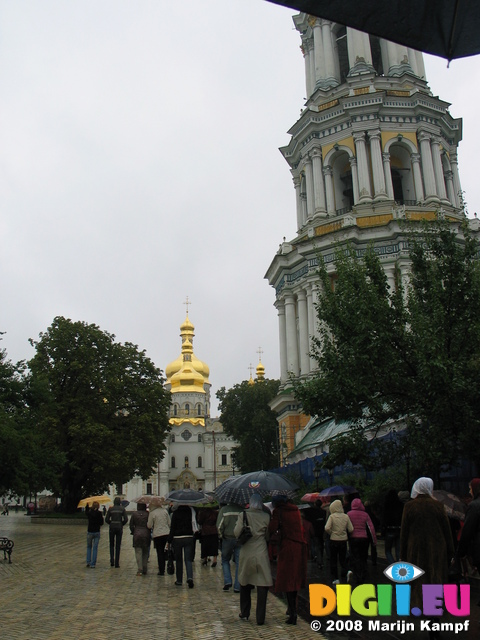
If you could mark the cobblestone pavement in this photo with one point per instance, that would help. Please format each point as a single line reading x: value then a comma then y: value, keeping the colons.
x: 47, y: 593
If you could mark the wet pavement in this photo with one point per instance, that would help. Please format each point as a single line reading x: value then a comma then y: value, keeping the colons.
x: 47, y: 593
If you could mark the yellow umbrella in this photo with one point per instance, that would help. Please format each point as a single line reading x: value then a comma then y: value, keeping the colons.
x: 91, y: 499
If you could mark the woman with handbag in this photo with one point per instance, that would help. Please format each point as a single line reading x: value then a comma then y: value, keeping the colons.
x: 254, y: 564
x: 159, y: 523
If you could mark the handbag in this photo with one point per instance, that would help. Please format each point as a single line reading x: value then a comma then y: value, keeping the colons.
x: 170, y: 562
x: 246, y: 532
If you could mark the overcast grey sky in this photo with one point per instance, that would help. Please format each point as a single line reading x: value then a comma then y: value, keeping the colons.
x: 139, y: 164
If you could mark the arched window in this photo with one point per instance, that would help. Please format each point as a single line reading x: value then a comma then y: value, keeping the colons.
x: 199, y: 462
x: 172, y: 437
x: 186, y: 462
x: 199, y: 409
x: 187, y: 409
x: 199, y: 437
x: 172, y: 462
x: 175, y: 410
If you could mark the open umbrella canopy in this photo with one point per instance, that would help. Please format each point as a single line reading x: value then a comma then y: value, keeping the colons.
x: 91, y: 499
x: 337, y: 490
x: 448, y: 29
x: 238, y: 489
x: 311, y: 497
x: 454, y: 507
x: 187, y: 496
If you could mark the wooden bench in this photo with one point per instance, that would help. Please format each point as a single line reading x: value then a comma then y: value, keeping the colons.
x: 6, y: 545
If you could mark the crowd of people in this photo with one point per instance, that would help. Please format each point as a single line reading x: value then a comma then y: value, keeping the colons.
x: 284, y: 537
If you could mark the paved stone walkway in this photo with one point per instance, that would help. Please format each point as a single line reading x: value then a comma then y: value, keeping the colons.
x: 47, y: 593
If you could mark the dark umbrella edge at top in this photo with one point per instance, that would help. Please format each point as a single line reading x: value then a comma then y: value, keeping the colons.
x: 447, y: 29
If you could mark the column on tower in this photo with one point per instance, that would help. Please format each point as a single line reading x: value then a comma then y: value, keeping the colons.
x: 415, y: 58
x: 427, y: 165
x: 312, y: 319
x: 363, y: 172
x: 377, y: 165
x: 450, y: 187
x: 291, y: 333
x: 309, y: 183
x: 359, y: 50
x: 282, y: 331
x: 390, y: 273
x: 356, y: 190
x: 438, y: 168
x: 328, y: 53
x: 318, y: 184
x: 307, y: 50
x: 304, y: 342
x: 397, y: 59
x: 330, y: 194
x: 298, y: 200
x: 319, y: 60
x: 417, y: 177
x: 388, y: 175
x: 456, y: 179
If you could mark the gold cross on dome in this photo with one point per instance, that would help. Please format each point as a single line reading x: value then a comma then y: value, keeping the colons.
x: 186, y: 303
x: 260, y: 353
x: 251, y: 368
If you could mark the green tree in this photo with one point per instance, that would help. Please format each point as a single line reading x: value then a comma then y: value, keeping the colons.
x: 100, y: 406
x: 411, y: 355
x: 246, y: 416
x: 11, y: 412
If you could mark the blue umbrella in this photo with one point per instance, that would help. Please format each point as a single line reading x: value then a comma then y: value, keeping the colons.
x: 337, y: 490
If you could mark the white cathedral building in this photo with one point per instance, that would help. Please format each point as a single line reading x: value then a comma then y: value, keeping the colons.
x: 371, y: 147
x: 198, y: 453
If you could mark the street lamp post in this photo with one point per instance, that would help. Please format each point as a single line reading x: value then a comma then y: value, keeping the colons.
x: 330, y: 476
x: 317, y: 470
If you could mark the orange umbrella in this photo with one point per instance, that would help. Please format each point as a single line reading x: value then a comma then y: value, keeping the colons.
x: 311, y: 497
x: 91, y: 499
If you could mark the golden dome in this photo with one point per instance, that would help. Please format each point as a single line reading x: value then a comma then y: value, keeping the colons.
x: 260, y: 371
x: 187, y: 372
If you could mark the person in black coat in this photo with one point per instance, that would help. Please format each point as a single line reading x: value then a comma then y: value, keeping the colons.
x: 469, y: 544
x: 182, y: 529
x: 116, y: 518
x: 95, y: 521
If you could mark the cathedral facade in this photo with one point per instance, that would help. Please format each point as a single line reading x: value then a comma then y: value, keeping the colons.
x: 198, y: 454
x: 371, y: 148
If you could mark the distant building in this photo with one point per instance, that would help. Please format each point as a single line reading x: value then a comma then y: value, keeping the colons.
x: 198, y: 453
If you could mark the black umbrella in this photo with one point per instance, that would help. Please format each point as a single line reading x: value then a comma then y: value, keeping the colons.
x: 238, y: 489
x: 187, y: 496
x: 448, y: 28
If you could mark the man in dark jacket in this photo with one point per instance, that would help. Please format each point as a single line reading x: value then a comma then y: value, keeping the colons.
x: 117, y: 518
x: 470, y: 539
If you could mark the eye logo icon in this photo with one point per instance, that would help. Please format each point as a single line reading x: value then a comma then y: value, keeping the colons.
x: 254, y: 485
x: 403, y: 572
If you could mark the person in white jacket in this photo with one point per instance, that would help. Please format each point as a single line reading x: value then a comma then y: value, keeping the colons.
x: 159, y: 523
x: 338, y: 527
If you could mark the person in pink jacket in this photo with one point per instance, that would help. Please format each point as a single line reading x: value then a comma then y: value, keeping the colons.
x: 359, y: 542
